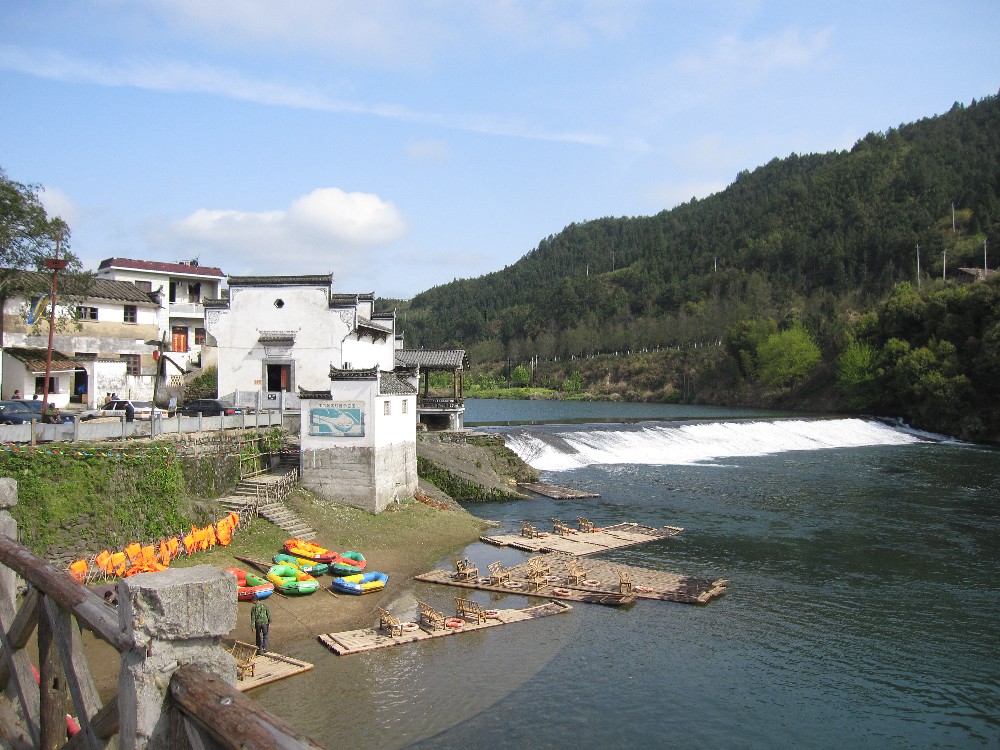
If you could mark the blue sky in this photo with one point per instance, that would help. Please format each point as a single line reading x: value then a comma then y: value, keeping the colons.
x: 400, y: 145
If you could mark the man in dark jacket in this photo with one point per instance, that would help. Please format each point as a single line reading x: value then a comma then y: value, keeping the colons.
x: 260, y: 616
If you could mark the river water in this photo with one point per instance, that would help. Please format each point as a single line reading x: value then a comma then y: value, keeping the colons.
x: 862, y: 608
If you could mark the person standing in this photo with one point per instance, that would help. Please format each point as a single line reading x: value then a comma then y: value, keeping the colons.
x: 17, y: 395
x: 260, y: 616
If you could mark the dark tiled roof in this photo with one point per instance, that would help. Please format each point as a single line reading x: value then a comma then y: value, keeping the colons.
x: 303, y: 393
x: 337, y: 374
x: 34, y: 359
x: 267, y: 337
x: 431, y: 359
x: 315, y: 280
x: 390, y: 384
x: 343, y: 300
x: 384, y: 315
x: 154, y: 265
x: 118, y: 291
x: 377, y: 327
x: 81, y: 286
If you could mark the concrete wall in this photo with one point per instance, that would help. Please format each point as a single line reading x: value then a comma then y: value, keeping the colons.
x: 369, y: 470
x: 362, y: 477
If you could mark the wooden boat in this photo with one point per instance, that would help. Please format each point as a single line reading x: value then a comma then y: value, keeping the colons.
x: 362, y: 583
x: 289, y: 579
x: 250, y: 587
x: 309, y: 550
x: 309, y: 566
x: 348, y: 563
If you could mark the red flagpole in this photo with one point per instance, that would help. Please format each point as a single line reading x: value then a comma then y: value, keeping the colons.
x: 56, y: 264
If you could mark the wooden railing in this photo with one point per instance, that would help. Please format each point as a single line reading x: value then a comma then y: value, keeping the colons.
x: 192, y: 681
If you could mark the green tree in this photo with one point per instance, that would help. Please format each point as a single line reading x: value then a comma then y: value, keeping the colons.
x: 787, y: 357
x: 204, y: 385
x: 858, y: 374
x: 520, y: 376
x: 27, y: 234
x: 744, y: 338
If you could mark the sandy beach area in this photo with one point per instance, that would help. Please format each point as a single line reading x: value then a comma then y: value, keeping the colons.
x: 401, y: 542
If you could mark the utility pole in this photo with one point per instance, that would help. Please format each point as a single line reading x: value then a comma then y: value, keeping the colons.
x: 953, y: 217
x: 56, y: 264
x: 944, y: 266
x: 986, y: 268
x: 918, y: 265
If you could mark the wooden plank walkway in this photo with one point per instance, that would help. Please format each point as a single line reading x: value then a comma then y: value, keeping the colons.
x: 368, y: 639
x: 583, y: 543
x: 603, y: 577
x: 270, y: 667
x: 554, y: 491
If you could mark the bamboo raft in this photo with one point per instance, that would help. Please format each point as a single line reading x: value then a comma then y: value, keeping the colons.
x: 585, y: 543
x: 646, y: 583
x: 369, y: 639
x: 554, y: 491
x: 270, y: 667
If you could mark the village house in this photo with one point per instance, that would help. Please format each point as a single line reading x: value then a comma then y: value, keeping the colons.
x: 291, y: 342
x: 181, y: 288
x: 103, y: 343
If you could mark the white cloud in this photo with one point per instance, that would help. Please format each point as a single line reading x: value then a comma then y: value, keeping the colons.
x: 184, y: 77
x: 325, y: 229
x: 736, y: 61
x: 58, y: 203
x: 428, y: 149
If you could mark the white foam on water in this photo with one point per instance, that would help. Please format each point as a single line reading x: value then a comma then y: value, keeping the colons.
x: 698, y: 443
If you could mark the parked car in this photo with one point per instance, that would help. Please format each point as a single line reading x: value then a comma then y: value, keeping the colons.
x: 36, y: 406
x: 17, y: 412
x: 143, y: 410
x: 208, y: 407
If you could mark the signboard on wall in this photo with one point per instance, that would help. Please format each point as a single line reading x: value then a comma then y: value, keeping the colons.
x: 340, y: 419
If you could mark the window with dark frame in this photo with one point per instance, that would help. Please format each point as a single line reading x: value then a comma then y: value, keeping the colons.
x: 133, y: 364
x: 194, y: 292
x: 131, y: 314
x: 86, y: 313
x: 199, y: 336
x: 143, y: 286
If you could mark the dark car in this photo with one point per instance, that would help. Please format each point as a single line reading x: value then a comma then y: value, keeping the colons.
x: 36, y: 406
x: 208, y: 407
x: 17, y: 412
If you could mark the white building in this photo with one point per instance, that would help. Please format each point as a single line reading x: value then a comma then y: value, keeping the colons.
x: 290, y: 340
x: 181, y: 289
x: 108, y: 349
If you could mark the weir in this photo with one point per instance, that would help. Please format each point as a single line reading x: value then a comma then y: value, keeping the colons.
x: 175, y: 684
x: 656, y: 443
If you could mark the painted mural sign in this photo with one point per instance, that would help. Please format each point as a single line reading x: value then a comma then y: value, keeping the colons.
x: 343, y: 419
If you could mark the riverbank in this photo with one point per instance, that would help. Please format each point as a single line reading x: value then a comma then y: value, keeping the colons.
x: 403, y: 541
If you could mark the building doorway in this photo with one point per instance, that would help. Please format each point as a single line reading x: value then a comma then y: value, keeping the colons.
x: 279, y: 377
x: 179, y: 339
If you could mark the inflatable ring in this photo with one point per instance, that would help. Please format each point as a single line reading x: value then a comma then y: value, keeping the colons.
x: 644, y: 589
x: 491, y: 613
x: 454, y: 622
x: 483, y: 581
x: 409, y: 627
x: 513, y: 585
x: 561, y: 592
x: 552, y: 579
x: 542, y: 534
x: 591, y: 582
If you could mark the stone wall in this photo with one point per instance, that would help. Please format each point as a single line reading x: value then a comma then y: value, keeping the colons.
x: 363, y: 477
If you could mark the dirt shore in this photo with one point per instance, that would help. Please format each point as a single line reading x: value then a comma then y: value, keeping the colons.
x: 401, y: 542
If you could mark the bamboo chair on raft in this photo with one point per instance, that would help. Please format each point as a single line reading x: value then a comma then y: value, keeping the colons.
x: 245, y: 654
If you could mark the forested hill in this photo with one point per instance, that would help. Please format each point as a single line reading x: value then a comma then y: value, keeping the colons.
x: 794, y: 241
